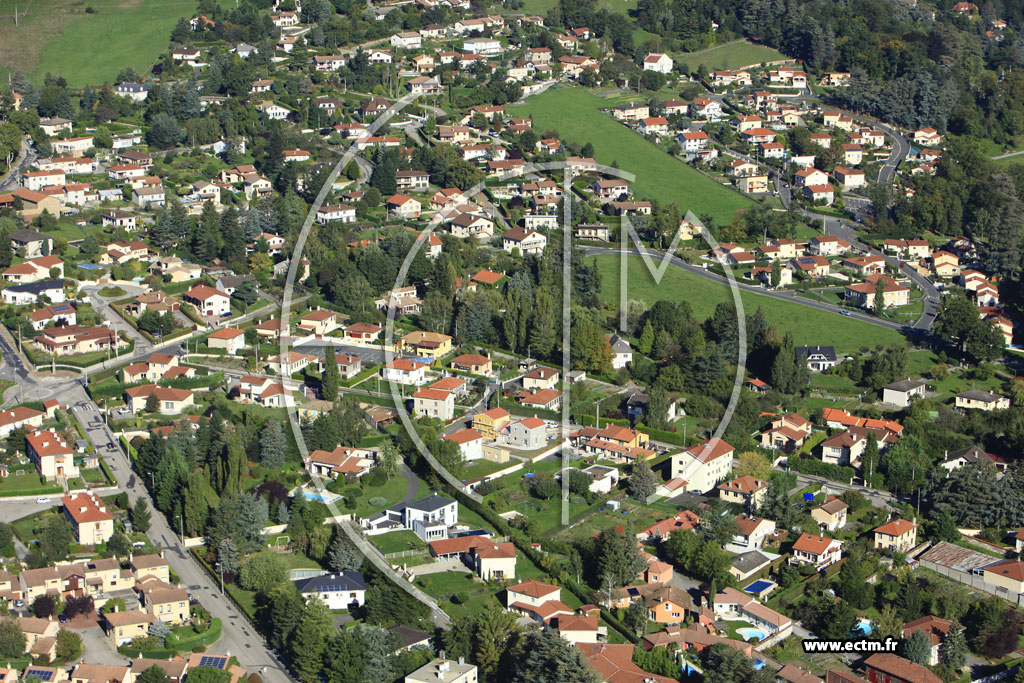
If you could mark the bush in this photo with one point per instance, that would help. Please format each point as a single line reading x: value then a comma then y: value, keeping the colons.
x: 377, y: 501
x: 487, y: 487
x: 375, y: 478
x: 821, y: 469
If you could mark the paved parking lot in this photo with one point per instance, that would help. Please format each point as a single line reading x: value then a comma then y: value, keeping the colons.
x: 370, y: 355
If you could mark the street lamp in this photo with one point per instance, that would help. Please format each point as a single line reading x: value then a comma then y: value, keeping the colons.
x: 220, y: 568
x: 181, y: 528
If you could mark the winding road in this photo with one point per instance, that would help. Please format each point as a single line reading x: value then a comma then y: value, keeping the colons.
x: 26, y: 156
x: 782, y: 295
x: 844, y: 229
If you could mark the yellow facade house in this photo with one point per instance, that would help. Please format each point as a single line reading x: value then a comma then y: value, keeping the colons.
x: 426, y: 344
x: 491, y: 422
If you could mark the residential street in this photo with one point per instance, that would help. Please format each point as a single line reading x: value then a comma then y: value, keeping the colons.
x: 101, y: 305
x: 239, y: 638
x: 26, y: 156
x: 844, y: 230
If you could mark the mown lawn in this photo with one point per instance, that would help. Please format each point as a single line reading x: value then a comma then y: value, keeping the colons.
x: 27, y: 484
x: 729, y: 56
x: 481, y: 468
x: 392, y: 491
x: 576, y: 114
x: 809, y: 326
x: 472, y: 598
x: 542, y: 7
x: 836, y: 383
x: 50, y: 37
x: 397, y: 541
x: 957, y: 381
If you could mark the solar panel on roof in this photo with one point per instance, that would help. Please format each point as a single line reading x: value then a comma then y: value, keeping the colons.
x: 212, y: 660
x: 42, y: 673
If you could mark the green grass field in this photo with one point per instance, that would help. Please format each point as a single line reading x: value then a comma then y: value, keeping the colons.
x: 541, y: 7
x: 576, y: 114
x: 729, y: 56
x: 808, y: 325
x: 55, y: 35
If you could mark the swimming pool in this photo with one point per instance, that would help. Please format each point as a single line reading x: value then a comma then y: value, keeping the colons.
x: 863, y: 627
x: 325, y: 497
x: 89, y: 266
x: 748, y: 633
x: 759, y: 586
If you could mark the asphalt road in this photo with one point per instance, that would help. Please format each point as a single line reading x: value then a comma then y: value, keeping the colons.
x: 26, y: 157
x: 238, y: 636
x: 101, y: 305
x: 900, y: 150
x: 879, y: 499
x: 843, y: 230
x: 781, y: 295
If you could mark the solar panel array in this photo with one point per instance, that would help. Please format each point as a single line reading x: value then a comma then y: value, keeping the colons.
x: 217, y: 662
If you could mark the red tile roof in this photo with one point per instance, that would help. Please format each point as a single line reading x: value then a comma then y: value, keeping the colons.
x: 706, y: 451
x: 1011, y: 569
x: 809, y: 543
x: 464, y: 436
x: 900, y: 668
x: 896, y: 527
x: 85, y: 508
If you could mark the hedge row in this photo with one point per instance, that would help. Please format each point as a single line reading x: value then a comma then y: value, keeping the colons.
x: 112, y: 389
x: 590, y: 421
x: 159, y: 653
x: 821, y: 469
x: 31, y: 492
x: 204, y: 381
x: 190, y: 313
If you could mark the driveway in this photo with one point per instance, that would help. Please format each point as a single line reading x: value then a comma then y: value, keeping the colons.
x: 98, y: 648
x: 239, y: 636
x: 439, y: 567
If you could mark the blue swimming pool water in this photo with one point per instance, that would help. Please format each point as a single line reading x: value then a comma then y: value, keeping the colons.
x: 89, y: 266
x: 863, y: 628
x: 748, y: 633
x: 322, y: 497
x: 758, y: 586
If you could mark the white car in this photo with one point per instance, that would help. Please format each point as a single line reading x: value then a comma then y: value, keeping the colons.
x: 43, y: 500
